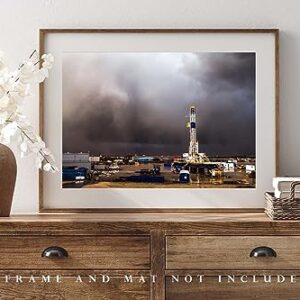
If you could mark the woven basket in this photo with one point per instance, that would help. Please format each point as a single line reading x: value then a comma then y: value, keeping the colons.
x: 283, y: 208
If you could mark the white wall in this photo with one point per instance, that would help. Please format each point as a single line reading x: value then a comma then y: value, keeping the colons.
x: 21, y: 19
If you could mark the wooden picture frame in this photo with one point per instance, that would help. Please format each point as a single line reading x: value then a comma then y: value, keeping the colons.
x: 44, y: 33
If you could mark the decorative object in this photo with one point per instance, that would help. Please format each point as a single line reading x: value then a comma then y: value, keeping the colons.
x: 121, y: 102
x: 282, y: 186
x: 15, y: 86
x: 283, y: 208
x: 8, y: 174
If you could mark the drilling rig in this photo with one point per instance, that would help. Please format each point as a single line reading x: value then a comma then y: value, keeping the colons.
x: 194, y: 156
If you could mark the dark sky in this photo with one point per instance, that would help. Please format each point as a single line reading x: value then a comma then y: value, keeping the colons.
x: 126, y: 103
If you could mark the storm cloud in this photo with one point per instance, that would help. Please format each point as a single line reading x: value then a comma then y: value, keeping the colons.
x: 126, y: 103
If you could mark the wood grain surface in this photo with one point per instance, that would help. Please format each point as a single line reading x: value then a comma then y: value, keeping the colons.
x: 211, y: 289
x: 229, y: 252
x: 69, y: 289
x: 147, y: 243
x: 143, y: 223
x: 122, y: 252
x: 158, y: 264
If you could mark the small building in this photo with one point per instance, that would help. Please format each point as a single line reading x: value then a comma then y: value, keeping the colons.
x: 94, y: 159
x: 228, y: 166
x: 100, y: 167
x: 250, y: 169
x: 77, y: 160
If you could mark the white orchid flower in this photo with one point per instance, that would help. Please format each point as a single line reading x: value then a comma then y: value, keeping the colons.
x: 4, y: 101
x: 23, y: 147
x: 9, y: 130
x: 3, y: 118
x: 47, y: 167
x: 15, y: 86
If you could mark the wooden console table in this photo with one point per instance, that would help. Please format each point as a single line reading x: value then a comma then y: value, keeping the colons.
x: 174, y: 250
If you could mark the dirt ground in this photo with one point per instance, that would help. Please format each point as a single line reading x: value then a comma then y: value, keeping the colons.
x: 171, y: 180
x: 161, y: 185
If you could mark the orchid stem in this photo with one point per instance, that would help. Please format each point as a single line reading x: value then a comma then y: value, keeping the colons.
x: 32, y: 54
x: 40, y: 151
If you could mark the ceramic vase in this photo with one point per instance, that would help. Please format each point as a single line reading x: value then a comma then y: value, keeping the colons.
x: 8, y: 172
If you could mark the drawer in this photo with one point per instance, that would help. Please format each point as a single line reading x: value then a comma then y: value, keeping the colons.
x: 211, y: 289
x: 69, y: 288
x: 84, y: 252
x: 231, y: 252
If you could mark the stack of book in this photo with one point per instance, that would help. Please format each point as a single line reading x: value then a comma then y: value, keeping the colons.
x: 282, y: 187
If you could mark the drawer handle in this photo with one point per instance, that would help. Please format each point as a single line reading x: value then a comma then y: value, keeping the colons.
x: 263, y: 251
x: 55, y: 252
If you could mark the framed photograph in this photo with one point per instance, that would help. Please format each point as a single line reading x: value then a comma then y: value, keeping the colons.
x: 160, y: 120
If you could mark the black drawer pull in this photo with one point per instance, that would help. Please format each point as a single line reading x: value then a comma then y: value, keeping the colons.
x: 263, y: 251
x: 55, y: 252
